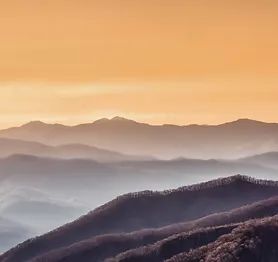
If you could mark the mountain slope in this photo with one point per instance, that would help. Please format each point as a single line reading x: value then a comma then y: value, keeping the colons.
x: 173, y: 245
x: 252, y: 241
x: 101, y: 247
x: 86, y: 184
x: 140, y: 210
x: 231, y: 140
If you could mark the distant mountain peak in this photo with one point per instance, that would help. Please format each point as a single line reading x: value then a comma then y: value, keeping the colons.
x: 116, y: 119
x: 245, y: 122
x: 36, y: 123
x: 119, y: 118
x: 101, y: 120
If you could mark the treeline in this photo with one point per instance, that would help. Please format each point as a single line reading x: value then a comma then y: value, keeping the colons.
x: 253, y: 241
x: 133, y: 212
x: 197, y: 187
x: 174, y: 245
x: 147, y: 244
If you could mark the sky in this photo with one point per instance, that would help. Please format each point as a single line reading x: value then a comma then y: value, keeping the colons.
x: 157, y: 61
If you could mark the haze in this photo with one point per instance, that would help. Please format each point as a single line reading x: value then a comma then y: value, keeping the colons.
x: 181, y: 61
x: 100, y: 98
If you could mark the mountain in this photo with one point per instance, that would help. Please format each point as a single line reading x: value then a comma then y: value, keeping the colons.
x: 14, y: 146
x: 236, y: 139
x: 95, y: 183
x: 150, y: 210
x: 45, y: 193
x: 174, y: 245
x: 252, y: 241
x: 269, y: 159
x: 151, y: 245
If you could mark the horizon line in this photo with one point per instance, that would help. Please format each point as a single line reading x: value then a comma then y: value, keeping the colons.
x: 119, y: 118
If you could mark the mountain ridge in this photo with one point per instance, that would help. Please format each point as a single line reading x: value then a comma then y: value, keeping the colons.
x: 144, y: 207
x: 147, y: 244
x: 230, y: 140
x: 10, y: 147
x: 123, y: 119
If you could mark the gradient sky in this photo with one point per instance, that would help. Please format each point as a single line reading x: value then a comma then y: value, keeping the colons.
x: 175, y: 61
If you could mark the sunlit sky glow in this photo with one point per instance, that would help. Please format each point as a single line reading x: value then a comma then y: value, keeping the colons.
x: 157, y: 61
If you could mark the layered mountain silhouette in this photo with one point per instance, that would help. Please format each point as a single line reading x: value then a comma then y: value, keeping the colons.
x: 168, y: 213
x: 74, y: 169
x: 161, y: 243
x: 30, y: 164
x: 69, y: 188
x: 10, y: 147
x: 95, y: 183
x: 236, y: 139
x: 269, y: 159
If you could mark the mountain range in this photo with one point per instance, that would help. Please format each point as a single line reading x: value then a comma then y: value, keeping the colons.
x: 43, y: 193
x: 10, y: 147
x: 185, y: 224
x: 240, y: 138
x: 90, y: 180
x: 51, y: 174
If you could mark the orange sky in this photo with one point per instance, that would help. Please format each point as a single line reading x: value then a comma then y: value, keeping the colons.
x: 159, y: 61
